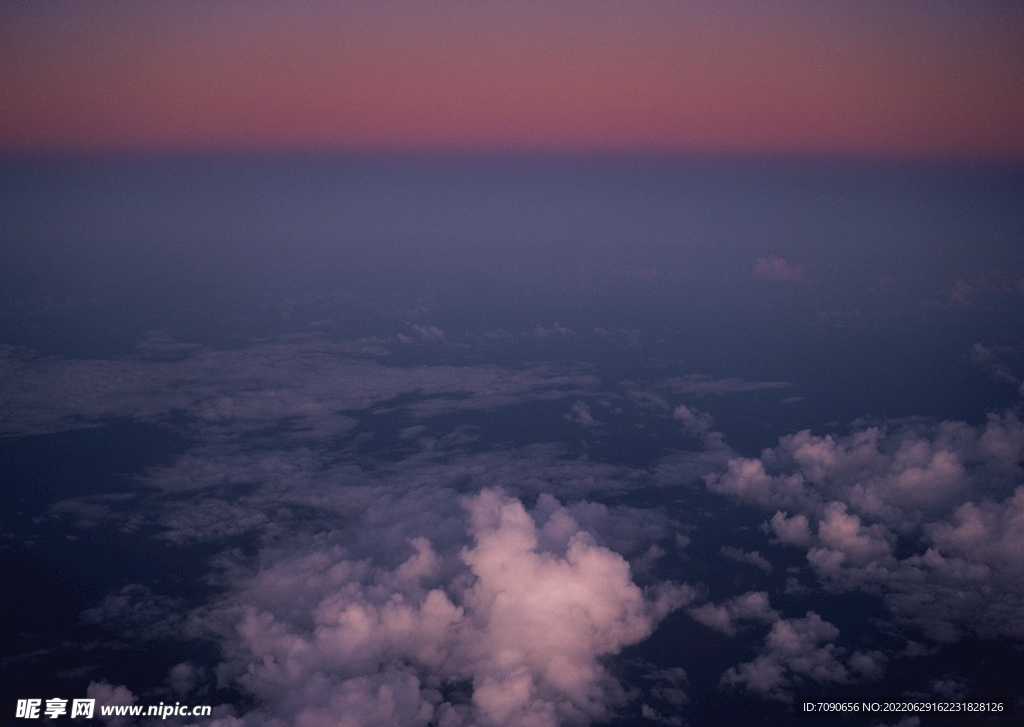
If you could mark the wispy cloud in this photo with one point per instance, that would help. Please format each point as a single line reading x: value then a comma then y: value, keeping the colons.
x: 304, y: 386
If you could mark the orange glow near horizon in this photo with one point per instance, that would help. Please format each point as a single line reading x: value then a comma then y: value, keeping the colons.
x: 116, y: 76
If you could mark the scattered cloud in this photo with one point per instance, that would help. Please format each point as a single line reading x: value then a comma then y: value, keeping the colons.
x: 740, y: 556
x: 137, y: 614
x: 988, y: 285
x: 429, y: 333
x: 668, y: 691
x: 776, y: 268
x: 107, y: 694
x: 580, y: 413
x: 951, y: 490
x: 997, y: 361
x: 751, y: 606
x: 695, y: 422
x: 795, y: 651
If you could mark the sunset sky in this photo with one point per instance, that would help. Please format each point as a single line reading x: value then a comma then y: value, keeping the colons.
x: 921, y: 79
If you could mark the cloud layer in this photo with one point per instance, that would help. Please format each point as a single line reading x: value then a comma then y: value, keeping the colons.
x: 379, y: 560
x: 929, y: 517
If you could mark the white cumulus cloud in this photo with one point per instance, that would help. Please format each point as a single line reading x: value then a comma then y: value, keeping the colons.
x: 511, y: 629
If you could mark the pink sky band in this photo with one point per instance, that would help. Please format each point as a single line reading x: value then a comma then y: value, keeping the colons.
x: 919, y: 81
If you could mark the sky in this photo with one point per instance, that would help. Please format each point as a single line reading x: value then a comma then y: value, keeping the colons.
x: 492, y: 364
x: 917, y: 79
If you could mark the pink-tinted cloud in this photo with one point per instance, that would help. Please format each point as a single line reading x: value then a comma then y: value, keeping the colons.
x: 992, y: 283
x: 793, y: 647
x: 956, y: 490
x: 751, y: 606
x: 776, y: 268
x: 525, y: 614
